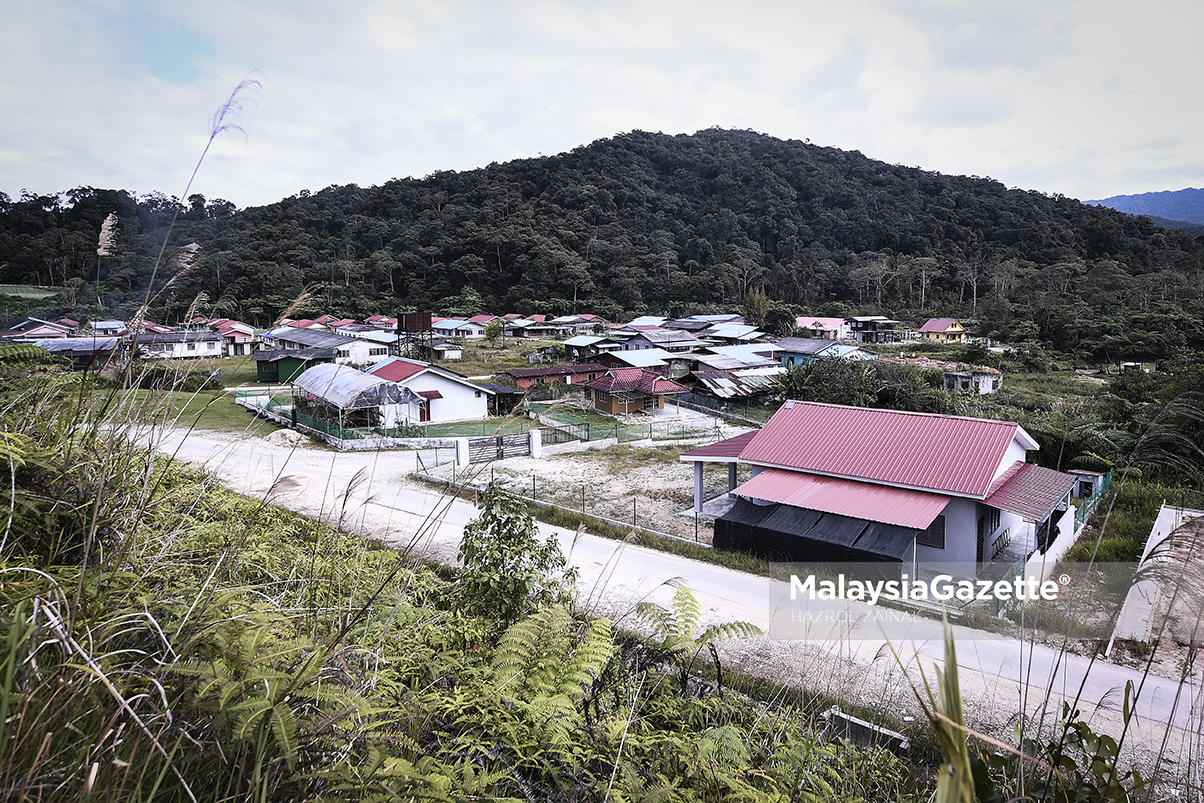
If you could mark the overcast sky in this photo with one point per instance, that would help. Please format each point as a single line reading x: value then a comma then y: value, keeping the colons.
x: 1086, y: 98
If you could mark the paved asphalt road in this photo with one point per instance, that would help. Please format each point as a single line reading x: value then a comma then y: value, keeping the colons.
x: 371, y: 492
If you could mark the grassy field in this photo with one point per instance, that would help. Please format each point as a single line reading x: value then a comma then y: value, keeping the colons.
x: 28, y: 291
x: 480, y: 358
x: 203, y: 410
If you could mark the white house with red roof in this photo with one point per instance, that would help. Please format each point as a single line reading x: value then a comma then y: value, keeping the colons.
x: 239, y: 337
x: 446, y: 395
x: 833, y: 483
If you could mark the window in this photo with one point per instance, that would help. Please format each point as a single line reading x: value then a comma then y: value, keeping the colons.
x: 477, y: 393
x: 192, y: 346
x: 650, y: 403
x: 603, y: 396
x: 344, y: 353
x: 378, y: 352
x: 934, y: 536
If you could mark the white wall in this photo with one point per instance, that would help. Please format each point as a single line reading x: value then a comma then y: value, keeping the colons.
x: 460, y: 402
x: 1015, y: 451
x: 358, y: 353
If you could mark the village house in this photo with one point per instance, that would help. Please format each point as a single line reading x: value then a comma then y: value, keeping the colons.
x: 833, y: 483
x: 943, y: 330
x: 441, y: 394
x: 802, y: 351
x: 629, y: 390
x: 569, y: 374
x: 180, y: 345
x: 82, y: 353
x: 822, y: 328
x: 237, y: 337
x: 586, y: 347
x: 348, y: 350
x: 37, y: 329
x: 674, y: 340
x: 277, y: 366
x: 874, y: 329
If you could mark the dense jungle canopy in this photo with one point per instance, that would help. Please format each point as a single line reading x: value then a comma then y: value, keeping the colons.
x: 637, y: 223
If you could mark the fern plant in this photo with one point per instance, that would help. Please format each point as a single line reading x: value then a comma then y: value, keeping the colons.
x: 680, y: 635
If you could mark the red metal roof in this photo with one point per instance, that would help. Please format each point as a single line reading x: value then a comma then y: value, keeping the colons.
x: 1029, y: 490
x: 398, y: 370
x: 430, y: 394
x: 729, y: 448
x: 918, y: 450
x: 940, y: 325
x: 557, y: 370
x: 858, y: 500
x: 637, y: 379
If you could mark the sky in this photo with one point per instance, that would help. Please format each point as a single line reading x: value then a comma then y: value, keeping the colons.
x: 1086, y: 98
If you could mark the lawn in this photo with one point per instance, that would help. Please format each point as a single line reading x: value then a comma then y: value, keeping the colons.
x: 480, y: 358
x: 29, y: 291
x: 203, y: 410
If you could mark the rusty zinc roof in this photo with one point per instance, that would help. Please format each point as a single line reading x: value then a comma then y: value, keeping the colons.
x: 1029, y: 490
x: 917, y: 450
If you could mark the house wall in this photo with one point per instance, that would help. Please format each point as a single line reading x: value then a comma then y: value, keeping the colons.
x: 203, y: 348
x: 459, y: 402
x: 358, y: 352
x: 616, y: 407
x: 961, y: 522
x: 1014, y: 452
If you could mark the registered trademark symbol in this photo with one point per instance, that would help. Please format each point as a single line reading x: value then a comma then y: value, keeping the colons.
x: 1064, y: 579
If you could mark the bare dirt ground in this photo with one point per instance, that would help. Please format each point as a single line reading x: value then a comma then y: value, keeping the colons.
x: 648, y: 486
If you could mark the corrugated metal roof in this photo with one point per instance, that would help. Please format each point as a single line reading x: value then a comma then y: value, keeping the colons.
x: 860, y: 500
x: 729, y: 448
x: 1029, y: 490
x: 730, y: 385
x: 805, y: 345
x: 395, y: 369
x: 940, y: 325
x: 918, y: 450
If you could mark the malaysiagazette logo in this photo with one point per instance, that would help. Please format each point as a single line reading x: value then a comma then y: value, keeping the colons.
x: 941, y: 588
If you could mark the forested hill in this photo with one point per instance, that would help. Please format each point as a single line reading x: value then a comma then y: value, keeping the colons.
x: 1180, y: 205
x: 649, y: 223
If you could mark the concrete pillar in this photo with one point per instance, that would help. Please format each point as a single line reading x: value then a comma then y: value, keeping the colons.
x: 536, y: 441
x: 731, y: 477
x: 462, y: 452
x: 698, y: 486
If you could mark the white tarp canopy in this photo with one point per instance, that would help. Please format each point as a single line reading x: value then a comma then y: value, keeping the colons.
x: 349, y: 389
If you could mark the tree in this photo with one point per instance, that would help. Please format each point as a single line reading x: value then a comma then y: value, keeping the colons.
x: 756, y: 307
x: 508, y: 570
x: 493, y: 331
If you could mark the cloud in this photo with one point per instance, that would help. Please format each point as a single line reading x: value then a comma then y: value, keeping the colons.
x: 1066, y: 96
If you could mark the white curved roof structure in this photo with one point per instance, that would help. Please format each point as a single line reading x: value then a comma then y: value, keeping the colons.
x: 349, y: 389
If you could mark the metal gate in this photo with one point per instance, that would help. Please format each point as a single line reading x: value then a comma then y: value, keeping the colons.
x: 482, y: 450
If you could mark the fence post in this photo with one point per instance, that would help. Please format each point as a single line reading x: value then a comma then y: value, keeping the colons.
x: 532, y: 487
x: 583, y: 499
x: 633, y: 511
